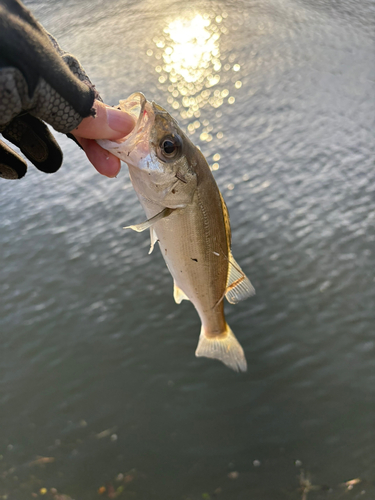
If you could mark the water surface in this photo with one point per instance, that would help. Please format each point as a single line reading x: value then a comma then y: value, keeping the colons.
x: 281, y: 101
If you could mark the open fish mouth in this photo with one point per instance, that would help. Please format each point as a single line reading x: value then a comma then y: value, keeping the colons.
x: 135, y: 147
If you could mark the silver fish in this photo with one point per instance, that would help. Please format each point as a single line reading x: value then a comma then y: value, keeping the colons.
x: 188, y: 217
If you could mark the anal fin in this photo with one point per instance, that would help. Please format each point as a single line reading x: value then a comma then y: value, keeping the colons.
x: 178, y: 294
x: 238, y: 284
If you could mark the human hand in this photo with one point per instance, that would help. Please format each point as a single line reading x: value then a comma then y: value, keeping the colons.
x: 108, y: 123
x: 39, y: 146
x: 53, y: 89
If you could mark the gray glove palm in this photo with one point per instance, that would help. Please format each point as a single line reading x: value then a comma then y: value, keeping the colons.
x: 38, y: 82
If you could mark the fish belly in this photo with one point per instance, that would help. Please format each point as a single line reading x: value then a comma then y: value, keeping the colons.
x: 192, y: 241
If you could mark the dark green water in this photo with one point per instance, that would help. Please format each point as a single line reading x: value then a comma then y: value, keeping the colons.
x: 90, y: 337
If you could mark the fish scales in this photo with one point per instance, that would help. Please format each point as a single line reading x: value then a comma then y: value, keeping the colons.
x: 197, y: 237
x: 188, y: 217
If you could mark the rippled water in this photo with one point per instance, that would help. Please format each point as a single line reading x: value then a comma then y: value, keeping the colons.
x: 91, y: 339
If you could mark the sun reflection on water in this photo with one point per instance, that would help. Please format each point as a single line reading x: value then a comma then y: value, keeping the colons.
x: 194, y: 70
x: 194, y: 48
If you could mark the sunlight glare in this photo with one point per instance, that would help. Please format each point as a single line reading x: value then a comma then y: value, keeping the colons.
x: 193, y: 48
x: 193, y: 69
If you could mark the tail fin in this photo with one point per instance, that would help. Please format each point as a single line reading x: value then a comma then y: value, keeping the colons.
x: 225, y: 347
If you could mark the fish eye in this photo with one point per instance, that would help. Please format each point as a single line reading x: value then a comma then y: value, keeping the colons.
x: 170, y: 146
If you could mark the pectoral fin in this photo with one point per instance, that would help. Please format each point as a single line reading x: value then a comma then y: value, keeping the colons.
x: 238, y: 285
x: 178, y: 294
x: 150, y: 222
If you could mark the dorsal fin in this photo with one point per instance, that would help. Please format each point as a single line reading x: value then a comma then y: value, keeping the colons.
x: 178, y: 294
x: 226, y: 221
x: 238, y: 285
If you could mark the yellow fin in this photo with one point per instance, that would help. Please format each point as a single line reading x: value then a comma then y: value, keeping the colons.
x: 238, y: 285
x: 150, y: 222
x: 178, y: 294
x: 224, y: 347
x: 153, y: 239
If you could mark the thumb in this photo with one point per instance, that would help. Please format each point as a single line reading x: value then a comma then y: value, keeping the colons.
x: 108, y: 123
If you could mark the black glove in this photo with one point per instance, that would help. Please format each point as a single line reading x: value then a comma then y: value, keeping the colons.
x: 38, y: 81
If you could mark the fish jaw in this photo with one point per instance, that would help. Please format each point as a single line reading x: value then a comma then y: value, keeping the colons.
x: 134, y: 149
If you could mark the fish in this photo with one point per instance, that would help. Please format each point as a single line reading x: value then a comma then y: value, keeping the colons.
x: 188, y: 218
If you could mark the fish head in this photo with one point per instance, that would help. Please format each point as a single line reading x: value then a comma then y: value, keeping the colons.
x: 161, y: 159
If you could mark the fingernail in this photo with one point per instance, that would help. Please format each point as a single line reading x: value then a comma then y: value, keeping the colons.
x: 120, y: 121
x: 114, y: 176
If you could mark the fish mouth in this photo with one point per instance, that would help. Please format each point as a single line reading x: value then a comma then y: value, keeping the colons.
x: 139, y: 108
x: 134, y: 147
